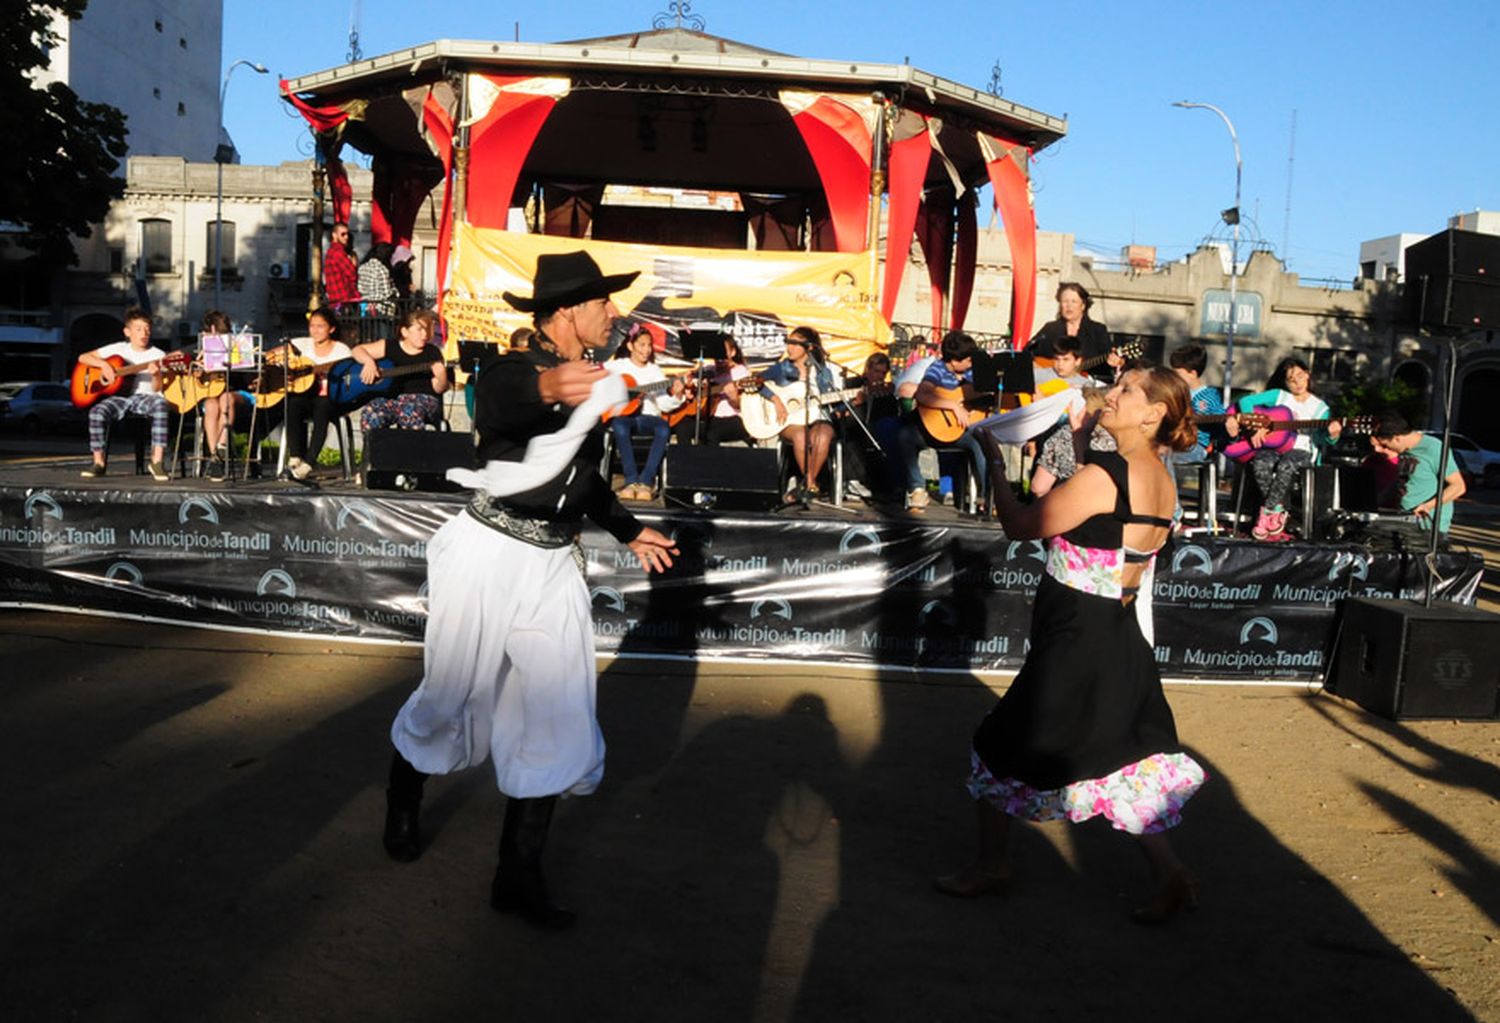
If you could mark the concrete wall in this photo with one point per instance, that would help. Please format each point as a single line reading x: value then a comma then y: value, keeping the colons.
x: 158, y: 61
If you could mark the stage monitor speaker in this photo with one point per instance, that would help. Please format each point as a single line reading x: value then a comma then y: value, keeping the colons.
x: 737, y: 479
x: 1404, y: 661
x: 1453, y: 280
x: 415, y: 459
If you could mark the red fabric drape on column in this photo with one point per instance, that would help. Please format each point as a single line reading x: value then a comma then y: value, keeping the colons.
x: 840, y: 143
x: 498, y: 145
x: 908, y: 168
x: 438, y: 124
x: 397, y: 192
x: 1006, y: 164
x: 339, y: 188
x: 321, y: 118
x: 935, y: 234
x: 965, y: 255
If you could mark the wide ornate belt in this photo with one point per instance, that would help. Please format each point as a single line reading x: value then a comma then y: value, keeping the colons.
x: 527, y: 529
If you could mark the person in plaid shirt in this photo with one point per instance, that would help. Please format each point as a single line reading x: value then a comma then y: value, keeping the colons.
x: 340, y: 279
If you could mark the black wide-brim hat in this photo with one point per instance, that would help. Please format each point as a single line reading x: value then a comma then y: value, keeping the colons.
x: 568, y: 278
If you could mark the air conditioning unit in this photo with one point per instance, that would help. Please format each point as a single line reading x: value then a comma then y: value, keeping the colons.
x: 281, y: 271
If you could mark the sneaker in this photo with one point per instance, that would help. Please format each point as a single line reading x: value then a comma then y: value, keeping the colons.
x: 1276, y: 527
x: 854, y: 488
x: 93, y: 472
x: 300, y: 469
x: 918, y: 499
x: 218, y: 471
x: 1261, y: 529
x: 159, y: 472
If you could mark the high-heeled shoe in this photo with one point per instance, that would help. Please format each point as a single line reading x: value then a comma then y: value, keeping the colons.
x: 1178, y: 891
x: 976, y: 881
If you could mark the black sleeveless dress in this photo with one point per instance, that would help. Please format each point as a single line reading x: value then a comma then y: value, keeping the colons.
x: 1085, y: 728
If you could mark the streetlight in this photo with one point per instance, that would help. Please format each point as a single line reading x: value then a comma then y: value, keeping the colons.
x: 222, y: 155
x: 1232, y: 218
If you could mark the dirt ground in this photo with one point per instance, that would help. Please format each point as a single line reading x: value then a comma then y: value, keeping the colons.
x: 193, y: 818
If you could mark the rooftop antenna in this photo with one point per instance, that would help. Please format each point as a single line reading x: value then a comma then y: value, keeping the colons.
x: 1286, y: 217
x: 994, y: 88
x: 677, y: 13
x: 355, y: 53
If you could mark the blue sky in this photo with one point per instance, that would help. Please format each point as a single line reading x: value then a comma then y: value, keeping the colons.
x: 1397, y: 103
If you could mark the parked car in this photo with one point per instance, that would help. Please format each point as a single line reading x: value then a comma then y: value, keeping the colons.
x: 37, y: 407
x: 1479, y: 464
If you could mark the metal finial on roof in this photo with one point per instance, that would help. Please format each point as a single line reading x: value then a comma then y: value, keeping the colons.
x: 994, y: 88
x: 678, y: 12
x: 355, y: 53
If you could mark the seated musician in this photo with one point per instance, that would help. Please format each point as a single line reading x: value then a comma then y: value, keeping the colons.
x: 636, y: 360
x: 1289, y: 387
x: 1067, y: 367
x: 1189, y: 361
x: 718, y: 419
x: 321, y: 348
x: 412, y: 401
x: 1417, y: 477
x: 218, y: 410
x: 809, y: 434
x: 140, y: 396
x: 945, y: 375
x: 876, y: 405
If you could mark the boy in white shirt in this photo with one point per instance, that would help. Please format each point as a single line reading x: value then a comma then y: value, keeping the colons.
x: 140, y: 395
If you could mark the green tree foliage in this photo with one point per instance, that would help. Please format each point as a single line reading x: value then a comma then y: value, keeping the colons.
x: 57, y: 173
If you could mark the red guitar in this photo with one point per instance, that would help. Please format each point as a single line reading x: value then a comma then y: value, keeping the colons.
x: 637, y: 392
x: 87, y: 384
x: 1281, y: 429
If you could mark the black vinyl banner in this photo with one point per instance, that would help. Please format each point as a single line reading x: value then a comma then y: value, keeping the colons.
x: 896, y: 594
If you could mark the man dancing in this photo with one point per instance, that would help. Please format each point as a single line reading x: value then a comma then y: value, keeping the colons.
x: 509, y: 662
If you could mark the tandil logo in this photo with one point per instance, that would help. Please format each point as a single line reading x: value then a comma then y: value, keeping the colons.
x: 1192, y: 558
x: 1259, y: 629
x: 277, y: 583
x: 123, y: 572
x: 46, y: 502
x: 205, y: 509
x: 358, y: 512
x: 1037, y: 550
x: 771, y: 606
x: 859, y: 537
x: 609, y: 596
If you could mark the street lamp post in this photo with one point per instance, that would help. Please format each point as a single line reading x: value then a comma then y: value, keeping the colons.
x: 222, y: 155
x: 1232, y: 218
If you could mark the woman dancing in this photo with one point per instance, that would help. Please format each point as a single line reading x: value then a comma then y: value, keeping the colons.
x: 1085, y: 728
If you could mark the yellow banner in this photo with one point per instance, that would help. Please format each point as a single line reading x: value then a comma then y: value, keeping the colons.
x: 755, y: 296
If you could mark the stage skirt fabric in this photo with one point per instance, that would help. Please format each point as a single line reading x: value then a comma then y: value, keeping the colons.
x: 509, y: 666
x: 1084, y: 729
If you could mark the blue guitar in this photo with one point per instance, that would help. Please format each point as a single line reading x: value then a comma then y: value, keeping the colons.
x: 347, y: 392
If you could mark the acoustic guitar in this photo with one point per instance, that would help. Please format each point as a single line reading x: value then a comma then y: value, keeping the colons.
x: 758, y: 413
x: 87, y: 385
x: 1129, y: 350
x: 941, y: 424
x: 184, y: 391
x: 292, y: 374
x: 699, y: 401
x: 348, y: 392
x: 1282, y: 429
x: 638, y: 392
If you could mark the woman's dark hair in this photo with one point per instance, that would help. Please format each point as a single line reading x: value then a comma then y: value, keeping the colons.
x: 380, y: 251
x: 216, y: 322
x: 327, y: 316
x: 809, y: 337
x: 1277, y: 381
x: 411, y: 318
x: 731, y: 344
x: 634, y: 331
x: 1079, y: 290
x: 1177, y: 429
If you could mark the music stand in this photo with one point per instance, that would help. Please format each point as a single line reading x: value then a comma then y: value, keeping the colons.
x: 701, y: 346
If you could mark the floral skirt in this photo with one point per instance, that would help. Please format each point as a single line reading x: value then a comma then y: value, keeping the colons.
x: 1143, y: 798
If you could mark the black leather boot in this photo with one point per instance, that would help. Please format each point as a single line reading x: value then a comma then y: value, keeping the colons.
x: 403, y: 805
x: 519, y: 887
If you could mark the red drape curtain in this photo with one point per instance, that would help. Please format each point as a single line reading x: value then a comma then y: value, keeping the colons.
x: 965, y: 256
x: 1007, y: 164
x: 326, y: 122
x: 498, y: 145
x: 911, y: 150
x: 935, y: 235
x: 839, y: 142
x: 397, y: 193
x: 437, y: 122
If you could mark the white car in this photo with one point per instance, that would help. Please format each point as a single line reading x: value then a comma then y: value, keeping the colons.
x: 1477, y: 463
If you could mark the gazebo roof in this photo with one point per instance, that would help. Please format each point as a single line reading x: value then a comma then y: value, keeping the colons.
x: 676, y: 75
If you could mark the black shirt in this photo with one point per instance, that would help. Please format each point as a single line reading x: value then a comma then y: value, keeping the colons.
x: 509, y: 412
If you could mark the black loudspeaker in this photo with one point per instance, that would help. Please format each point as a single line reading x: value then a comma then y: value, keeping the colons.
x: 1453, y: 280
x: 1401, y: 660
x: 415, y: 459
x: 740, y: 479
